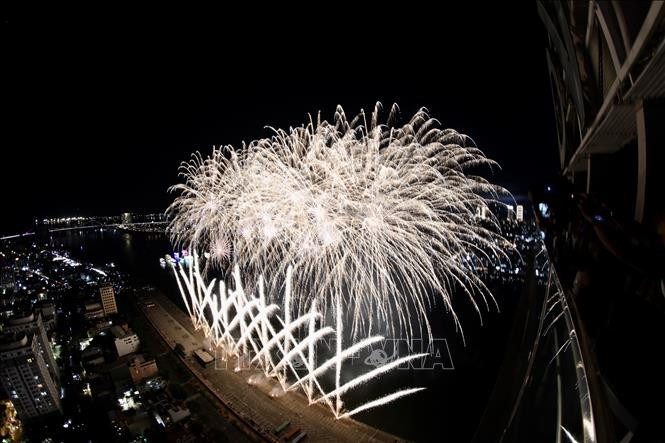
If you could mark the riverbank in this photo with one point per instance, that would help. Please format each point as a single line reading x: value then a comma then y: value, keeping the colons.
x: 222, y: 421
x: 254, y: 405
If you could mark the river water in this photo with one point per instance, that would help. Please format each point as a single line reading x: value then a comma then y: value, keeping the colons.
x: 458, y: 387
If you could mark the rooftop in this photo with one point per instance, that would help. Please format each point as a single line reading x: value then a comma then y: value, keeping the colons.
x: 14, y: 340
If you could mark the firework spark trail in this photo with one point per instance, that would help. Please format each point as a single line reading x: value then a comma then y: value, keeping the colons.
x: 302, y: 345
x: 182, y: 293
x: 257, y: 322
x: 382, y: 401
x: 311, y: 352
x: 361, y: 379
x: 275, y: 340
x: 342, y: 356
x: 258, y: 330
x: 308, y: 367
x: 375, y: 217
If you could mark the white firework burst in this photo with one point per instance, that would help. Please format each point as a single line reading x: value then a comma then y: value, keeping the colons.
x: 220, y: 250
x: 378, y: 219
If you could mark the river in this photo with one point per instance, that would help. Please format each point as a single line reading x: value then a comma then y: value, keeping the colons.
x: 457, y: 389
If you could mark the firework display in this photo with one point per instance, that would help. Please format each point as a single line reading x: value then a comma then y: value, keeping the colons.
x: 378, y: 219
x: 243, y: 324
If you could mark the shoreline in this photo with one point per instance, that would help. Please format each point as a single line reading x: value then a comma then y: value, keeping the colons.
x: 317, y: 421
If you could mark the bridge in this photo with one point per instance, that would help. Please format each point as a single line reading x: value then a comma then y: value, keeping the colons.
x: 149, y: 223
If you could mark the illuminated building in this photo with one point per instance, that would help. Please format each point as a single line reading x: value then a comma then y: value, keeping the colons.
x: 520, y: 213
x: 510, y: 212
x: 25, y: 376
x: 108, y: 299
x: 126, y: 341
x: 33, y: 323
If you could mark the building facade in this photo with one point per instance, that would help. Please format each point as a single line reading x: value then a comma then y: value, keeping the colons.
x: 108, y: 299
x: 32, y: 322
x: 47, y: 310
x: 140, y: 368
x: 126, y: 342
x: 25, y: 376
x: 93, y: 310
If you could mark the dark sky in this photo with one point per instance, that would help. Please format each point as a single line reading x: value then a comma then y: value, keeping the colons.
x: 99, y: 108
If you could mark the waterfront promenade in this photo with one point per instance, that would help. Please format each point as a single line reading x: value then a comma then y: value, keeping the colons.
x: 253, y: 404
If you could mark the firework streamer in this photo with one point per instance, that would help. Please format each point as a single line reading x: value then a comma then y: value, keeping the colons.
x: 311, y: 354
x: 236, y: 336
x: 378, y: 219
x: 375, y: 217
x: 382, y: 401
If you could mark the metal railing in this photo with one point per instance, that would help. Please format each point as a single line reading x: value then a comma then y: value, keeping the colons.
x: 546, y: 389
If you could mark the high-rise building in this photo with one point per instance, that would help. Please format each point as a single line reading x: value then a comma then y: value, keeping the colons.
x: 47, y: 310
x: 510, y: 209
x: 33, y: 322
x: 25, y: 376
x: 108, y: 299
x: 520, y: 213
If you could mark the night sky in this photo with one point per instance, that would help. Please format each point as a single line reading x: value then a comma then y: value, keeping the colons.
x: 99, y: 109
